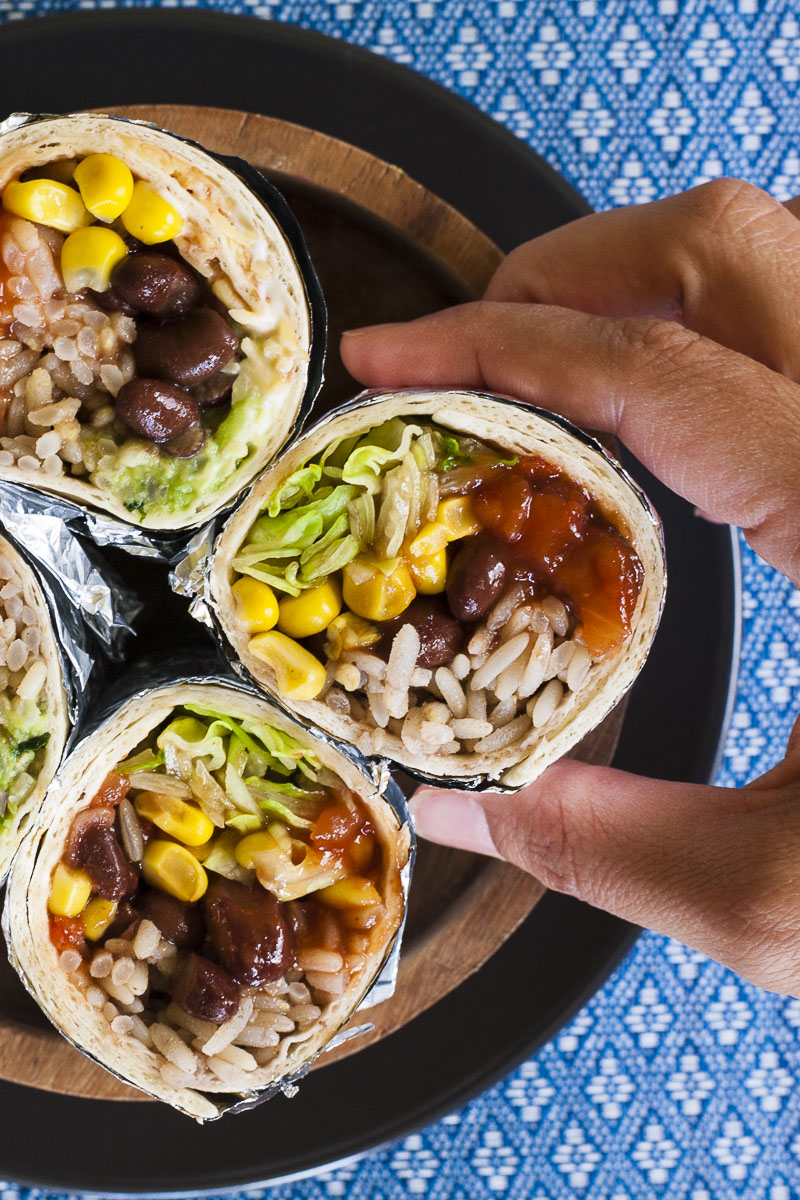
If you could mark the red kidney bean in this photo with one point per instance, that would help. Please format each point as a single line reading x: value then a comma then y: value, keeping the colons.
x: 441, y: 636
x: 205, y: 990
x: 213, y: 391
x: 180, y: 923
x: 100, y: 855
x: 477, y: 577
x: 98, y: 815
x: 156, y: 284
x: 187, y: 350
x: 156, y: 410
x: 124, y: 917
x: 110, y: 302
x: 247, y: 931
x: 187, y: 444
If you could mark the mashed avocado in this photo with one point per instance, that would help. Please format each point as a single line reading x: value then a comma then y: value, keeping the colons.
x: 149, y: 482
x: 23, y: 732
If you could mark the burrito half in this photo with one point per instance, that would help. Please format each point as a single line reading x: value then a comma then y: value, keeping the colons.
x: 460, y: 583
x: 33, y: 701
x: 156, y: 329
x: 207, y: 896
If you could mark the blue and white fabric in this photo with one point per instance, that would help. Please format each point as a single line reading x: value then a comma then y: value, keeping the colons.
x: 677, y: 1079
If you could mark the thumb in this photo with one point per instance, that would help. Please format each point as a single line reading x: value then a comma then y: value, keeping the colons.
x: 713, y: 867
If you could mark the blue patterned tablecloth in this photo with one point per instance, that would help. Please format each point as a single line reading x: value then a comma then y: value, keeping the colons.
x: 677, y: 1079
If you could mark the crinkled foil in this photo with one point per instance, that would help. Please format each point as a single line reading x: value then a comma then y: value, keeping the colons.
x: 91, y: 608
x: 107, y: 530
x: 147, y: 676
x: 191, y: 571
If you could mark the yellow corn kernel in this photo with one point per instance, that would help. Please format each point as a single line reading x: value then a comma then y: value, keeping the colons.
x: 300, y: 676
x: 454, y: 520
x: 349, y: 632
x: 149, y: 217
x: 69, y: 891
x: 175, y: 817
x: 429, y: 572
x: 374, y: 592
x: 455, y: 513
x: 254, y: 843
x: 431, y: 539
x: 361, y: 851
x: 257, y: 604
x: 174, y: 870
x: 106, y: 185
x: 97, y: 916
x: 88, y: 257
x: 201, y: 853
x: 311, y: 611
x: 354, y: 891
x: 46, y: 202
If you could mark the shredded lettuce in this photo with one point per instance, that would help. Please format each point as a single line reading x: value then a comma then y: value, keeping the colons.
x: 282, y: 749
x: 287, y: 802
x: 222, y: 859
x: 451, y: 454
x: 245, y: 823
x: 291, y: 869
x: 193, y: 739
x: 297, y: 487
x: 146, y: 760
x: 365, y: 492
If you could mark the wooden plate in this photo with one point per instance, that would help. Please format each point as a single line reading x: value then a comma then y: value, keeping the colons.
x: 385, y: 249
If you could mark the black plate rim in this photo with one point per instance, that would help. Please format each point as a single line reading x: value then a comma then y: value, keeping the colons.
x: 618, y: 935
x: 457, y: 108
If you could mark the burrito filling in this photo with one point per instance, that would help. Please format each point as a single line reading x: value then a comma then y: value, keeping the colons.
x: 119, y: 363
x: 430, y: 589
x: 216, y: 896
x: 24, y: 724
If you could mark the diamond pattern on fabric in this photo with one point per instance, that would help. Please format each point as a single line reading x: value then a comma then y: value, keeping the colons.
x: 677, y: 1080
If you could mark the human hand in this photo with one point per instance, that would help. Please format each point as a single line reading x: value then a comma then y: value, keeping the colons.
x: 674, y: 326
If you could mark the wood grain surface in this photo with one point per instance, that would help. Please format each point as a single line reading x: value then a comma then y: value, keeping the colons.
x: 355, y: 210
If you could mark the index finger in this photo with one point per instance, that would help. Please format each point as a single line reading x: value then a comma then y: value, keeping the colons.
x: 719, y: 429
x: 723, y: 259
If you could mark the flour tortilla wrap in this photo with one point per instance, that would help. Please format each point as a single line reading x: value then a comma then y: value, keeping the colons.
x: 34, y: 717
x: 64, y: 1000
x: 514, y: 429
x: 257, y: 270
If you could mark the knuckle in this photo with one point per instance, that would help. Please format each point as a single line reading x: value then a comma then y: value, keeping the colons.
x: 655, y: 339
x: 726, y: 205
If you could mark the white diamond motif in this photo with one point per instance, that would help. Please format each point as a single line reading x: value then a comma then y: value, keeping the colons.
x: 691, y: 1086
x: 649, y: 1018
x: 495, y: 1161
x: 576, y: 1157
x: 656, y: 1154
x: 612, y: 1088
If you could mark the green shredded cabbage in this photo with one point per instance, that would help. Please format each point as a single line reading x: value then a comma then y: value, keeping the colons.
x: 146, y: 760
x: 195, y: 740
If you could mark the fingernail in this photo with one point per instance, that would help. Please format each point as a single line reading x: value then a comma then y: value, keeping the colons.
x: 452, y: 819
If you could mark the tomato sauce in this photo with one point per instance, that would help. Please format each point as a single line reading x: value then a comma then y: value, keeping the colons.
x: 66, y: 932
x: 561, y: 543
x: 347, y: 833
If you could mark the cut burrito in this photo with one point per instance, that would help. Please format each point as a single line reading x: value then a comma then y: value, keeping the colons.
x: 33, y: 701
x: 156, y: 320
x: 461, y: 583
x: 207, y: 896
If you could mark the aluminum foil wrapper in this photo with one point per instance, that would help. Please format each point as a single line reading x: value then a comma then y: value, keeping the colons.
x: 106, y: 530
x: 92, y: 609
x: 191, y: 569
x: 145, y: 676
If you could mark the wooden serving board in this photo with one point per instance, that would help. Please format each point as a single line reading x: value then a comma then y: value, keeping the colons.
x: 385, y: 249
